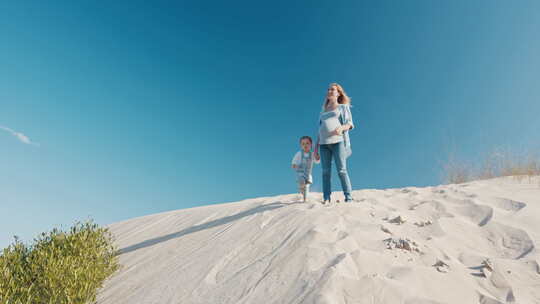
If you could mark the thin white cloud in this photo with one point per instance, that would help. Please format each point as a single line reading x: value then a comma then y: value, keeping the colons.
x: 21, y: 137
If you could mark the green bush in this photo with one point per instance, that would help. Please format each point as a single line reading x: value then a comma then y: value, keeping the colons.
x: 59, y: 267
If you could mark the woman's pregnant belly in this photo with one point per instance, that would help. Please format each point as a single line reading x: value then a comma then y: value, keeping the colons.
x: 329, y: 123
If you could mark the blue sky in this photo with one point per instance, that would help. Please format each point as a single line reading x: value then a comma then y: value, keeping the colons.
x: 141, y: 107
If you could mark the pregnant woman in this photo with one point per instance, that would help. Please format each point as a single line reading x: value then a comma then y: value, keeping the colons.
x: 333, y: 142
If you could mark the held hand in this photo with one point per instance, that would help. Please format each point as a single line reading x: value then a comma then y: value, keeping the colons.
x: 294, y: 166
x: 338, y: 131
x: 317, y: 156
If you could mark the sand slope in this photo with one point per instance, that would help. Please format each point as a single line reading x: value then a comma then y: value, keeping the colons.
x: 468, y: 243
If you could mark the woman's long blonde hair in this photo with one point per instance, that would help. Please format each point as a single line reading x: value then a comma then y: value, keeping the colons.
x: 342, y: 98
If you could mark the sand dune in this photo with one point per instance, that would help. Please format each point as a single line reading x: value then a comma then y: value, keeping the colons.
x: 467, y: 243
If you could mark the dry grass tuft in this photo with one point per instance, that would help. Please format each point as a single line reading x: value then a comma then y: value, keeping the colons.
x: 496, y: 164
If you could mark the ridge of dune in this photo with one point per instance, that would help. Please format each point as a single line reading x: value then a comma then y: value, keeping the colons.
x: 465, y: 243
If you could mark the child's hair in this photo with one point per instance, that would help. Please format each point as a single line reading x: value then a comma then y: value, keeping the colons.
x: 306, y: 137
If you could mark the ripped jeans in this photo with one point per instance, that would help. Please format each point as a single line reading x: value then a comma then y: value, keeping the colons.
x: 336, y: 151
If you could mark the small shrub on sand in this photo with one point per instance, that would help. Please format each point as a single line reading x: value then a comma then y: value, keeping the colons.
x: 59, y: 267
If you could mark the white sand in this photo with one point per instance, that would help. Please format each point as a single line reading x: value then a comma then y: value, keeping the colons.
x: 468, y: 243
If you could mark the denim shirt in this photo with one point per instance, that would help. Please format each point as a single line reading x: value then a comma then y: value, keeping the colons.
x: 346, y: 118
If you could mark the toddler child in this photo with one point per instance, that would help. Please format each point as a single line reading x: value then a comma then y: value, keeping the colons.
x: 303, y: 164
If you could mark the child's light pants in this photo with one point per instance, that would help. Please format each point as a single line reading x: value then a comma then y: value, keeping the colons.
x: 303, y: 174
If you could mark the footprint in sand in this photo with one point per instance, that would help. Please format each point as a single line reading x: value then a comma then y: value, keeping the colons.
x: 508, y: 204
x: 508, y: 242
x: 431, y: 209
x: 399, y: 273
x: 478, y: 214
